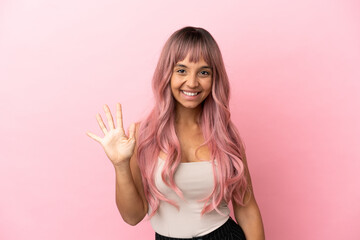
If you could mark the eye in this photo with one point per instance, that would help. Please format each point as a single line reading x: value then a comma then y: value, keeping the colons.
x: 180, y: 71
x: 205, y: 73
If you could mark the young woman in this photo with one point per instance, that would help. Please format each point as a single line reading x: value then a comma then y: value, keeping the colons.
x: 185, y: 161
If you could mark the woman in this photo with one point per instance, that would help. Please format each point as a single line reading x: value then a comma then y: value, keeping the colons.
x: 185, y: 161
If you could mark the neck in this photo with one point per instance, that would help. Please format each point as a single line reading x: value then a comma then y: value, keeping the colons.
x: 187, y: 116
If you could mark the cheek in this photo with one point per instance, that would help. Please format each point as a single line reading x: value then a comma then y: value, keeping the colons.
x: 173, y: 86
x: 172, y: 82
x: 208, y: 85
x: 175, y: 83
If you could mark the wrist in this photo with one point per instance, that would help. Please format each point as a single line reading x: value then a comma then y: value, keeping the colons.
x: 121, y: 166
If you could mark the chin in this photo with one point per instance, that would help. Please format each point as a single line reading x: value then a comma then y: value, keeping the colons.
x: 190, y: 106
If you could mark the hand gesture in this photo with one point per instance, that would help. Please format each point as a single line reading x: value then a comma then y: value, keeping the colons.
x: 118, y: 147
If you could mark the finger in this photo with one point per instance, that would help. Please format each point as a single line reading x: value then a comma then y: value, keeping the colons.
x: 119, y: 119
x: 101, y: 123
x: 132, y: 130
x: 93, y: 136
x: 109, y: 117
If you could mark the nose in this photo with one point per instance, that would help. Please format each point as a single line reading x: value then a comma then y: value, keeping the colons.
x: 192, y: 81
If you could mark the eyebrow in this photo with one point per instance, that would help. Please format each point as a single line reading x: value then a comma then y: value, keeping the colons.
x: 184, y: 66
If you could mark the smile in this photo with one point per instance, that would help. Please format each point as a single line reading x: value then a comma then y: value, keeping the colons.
x: 190, y: 93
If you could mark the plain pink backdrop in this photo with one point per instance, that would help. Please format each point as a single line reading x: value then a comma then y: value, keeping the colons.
x: 294, y: 72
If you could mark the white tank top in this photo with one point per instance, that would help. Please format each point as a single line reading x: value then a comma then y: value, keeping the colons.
x: 196, y: 181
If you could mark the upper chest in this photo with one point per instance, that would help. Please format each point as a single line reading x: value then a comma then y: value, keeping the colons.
x: 190, y: 140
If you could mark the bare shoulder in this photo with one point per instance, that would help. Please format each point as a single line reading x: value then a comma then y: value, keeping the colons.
x: 135, y: 170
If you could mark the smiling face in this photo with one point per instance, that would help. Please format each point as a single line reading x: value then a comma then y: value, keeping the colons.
x: 191, y: 82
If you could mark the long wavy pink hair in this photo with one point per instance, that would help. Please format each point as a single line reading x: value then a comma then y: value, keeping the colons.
x: 157, y: 131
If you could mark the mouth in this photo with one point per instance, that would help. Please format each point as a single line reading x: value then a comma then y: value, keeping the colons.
x: 191, y: 94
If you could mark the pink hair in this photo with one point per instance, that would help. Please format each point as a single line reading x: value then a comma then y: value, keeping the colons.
x: 157, y: 131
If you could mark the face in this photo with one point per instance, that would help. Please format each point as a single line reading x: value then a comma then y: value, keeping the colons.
x: 191, y: 82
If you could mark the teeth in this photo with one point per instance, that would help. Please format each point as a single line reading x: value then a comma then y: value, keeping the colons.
x: 189, y: 93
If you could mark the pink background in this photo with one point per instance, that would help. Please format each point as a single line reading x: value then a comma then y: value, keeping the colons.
x: 294, y: 68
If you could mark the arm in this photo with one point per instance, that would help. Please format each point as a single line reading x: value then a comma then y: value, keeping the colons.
x: 130, y: 197
x: 248, y: 216
x: 121, y: 150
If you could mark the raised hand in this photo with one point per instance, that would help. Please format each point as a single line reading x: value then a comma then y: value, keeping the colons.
x: 118, y: 147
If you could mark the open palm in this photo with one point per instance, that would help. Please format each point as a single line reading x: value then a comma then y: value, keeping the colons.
x: 117, y: 146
